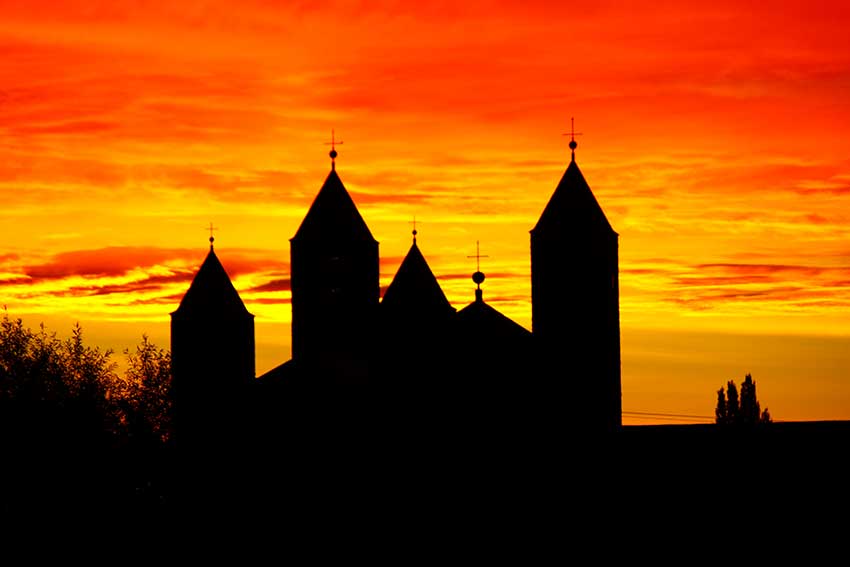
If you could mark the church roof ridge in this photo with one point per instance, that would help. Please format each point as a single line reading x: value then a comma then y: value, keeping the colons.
x: 484, y: 316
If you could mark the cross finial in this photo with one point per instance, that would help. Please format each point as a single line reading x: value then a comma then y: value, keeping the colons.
x: 212, y: 238
x: 572, y: 134
x: 478, y: 276
x: 415, y: 232
x: 333, y: 143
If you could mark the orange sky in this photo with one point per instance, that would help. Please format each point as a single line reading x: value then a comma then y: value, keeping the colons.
x: 716, y: 138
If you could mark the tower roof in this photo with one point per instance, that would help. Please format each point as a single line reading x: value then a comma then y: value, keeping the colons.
x: 488, y: 325
x: 573, y: 206
x: 414, y: 288
x: 333, y: 215
x: 211, y: 291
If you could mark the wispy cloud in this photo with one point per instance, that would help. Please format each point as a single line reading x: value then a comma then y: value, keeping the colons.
x: 282, y: 284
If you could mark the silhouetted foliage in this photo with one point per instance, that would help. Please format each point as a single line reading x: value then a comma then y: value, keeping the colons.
x: 746, y: 411
x: 67, y: 393
x: 721, y: 411
x: 146, y: 399
x: 750, y: 410
x: 732, y: 402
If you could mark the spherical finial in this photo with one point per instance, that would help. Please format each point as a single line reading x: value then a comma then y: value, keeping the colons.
x: 573, y: 145
x: 415, y: 232
x: 212, y: 239
x: 333, y: 154
x: 478, y: 277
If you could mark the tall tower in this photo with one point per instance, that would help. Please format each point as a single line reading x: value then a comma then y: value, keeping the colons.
x: 212, y: 351
x: 335, y: 286
x: 575, y: 300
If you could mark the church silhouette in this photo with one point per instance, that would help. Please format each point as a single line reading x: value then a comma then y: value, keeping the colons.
x: 410, y: 352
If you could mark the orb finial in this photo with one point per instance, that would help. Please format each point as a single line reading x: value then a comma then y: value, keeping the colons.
x: 478, y: 277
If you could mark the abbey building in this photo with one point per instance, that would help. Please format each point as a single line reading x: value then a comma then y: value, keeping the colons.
x: 412, y: 345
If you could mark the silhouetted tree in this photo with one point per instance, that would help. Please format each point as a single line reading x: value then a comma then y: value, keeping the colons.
x: 69, y: 394
x: 732, y: 402
x: 746, y: 411
x: 721, y: 412
x: 750, y: 409
x: 53, y: 391
x: 148, y: 381
x: 89, y: 373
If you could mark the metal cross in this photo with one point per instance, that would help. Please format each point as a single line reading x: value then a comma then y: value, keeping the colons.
x: 333, y: 141
x: 413, y: 222
x: 478, y: 256
x: 572, y: 133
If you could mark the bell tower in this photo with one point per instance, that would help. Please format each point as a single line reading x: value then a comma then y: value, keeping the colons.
x: 575, y: 300
x: 335, y: 286
x: 212, y: 353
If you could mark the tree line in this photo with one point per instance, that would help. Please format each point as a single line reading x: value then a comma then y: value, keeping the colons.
x: 64, y: 391
x: 740, y: 410
x: 56, y: 390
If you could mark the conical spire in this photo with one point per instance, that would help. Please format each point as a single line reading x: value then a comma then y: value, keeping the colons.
x: 572, y: 207
x: 414, y: 287
x: 333, y: 215
x: 211, y: 291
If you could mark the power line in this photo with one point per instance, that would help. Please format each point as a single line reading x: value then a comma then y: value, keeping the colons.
x: 668, y: 414
x: 673, y: 419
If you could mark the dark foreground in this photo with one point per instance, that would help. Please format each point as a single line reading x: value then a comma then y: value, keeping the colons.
x: 471, y: 475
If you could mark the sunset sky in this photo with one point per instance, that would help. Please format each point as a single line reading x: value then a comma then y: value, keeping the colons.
x: 716, y: 137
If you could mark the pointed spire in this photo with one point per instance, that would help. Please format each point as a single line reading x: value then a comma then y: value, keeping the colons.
x: 573, y: 208
x: 333, y: 215
x: 415, y: 289
x: 211, y: 291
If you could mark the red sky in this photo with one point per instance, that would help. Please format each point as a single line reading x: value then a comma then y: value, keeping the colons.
x: 715, y: 136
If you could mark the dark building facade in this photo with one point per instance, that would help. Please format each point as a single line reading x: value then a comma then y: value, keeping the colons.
x: 413, y: 346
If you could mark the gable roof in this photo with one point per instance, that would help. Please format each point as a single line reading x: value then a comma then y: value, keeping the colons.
x: 415, y: 289
x: 333, y: 215
x: 573, y: 206
x: 211, y: 292
x: 488, y: 325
